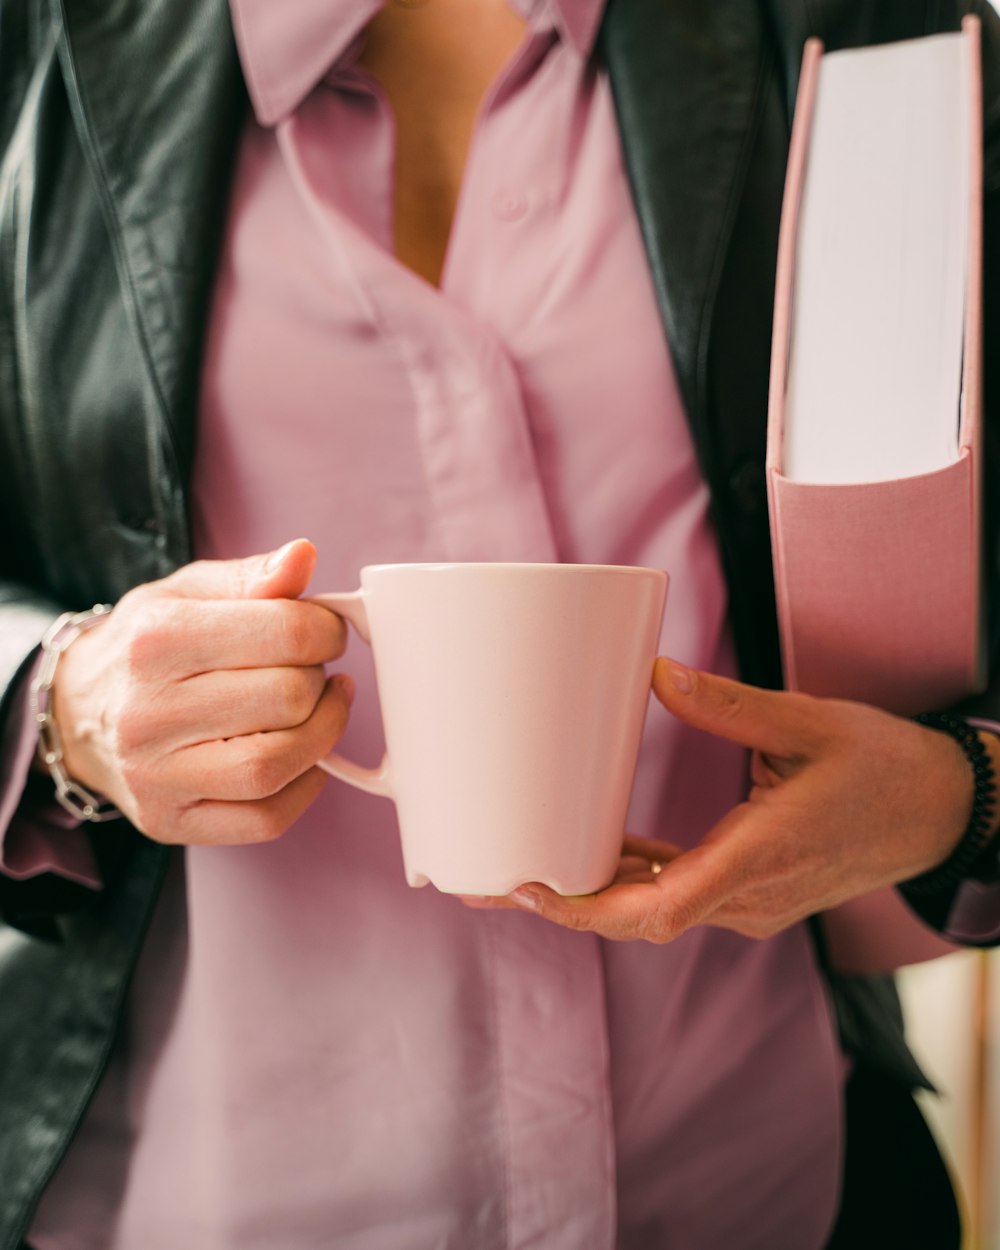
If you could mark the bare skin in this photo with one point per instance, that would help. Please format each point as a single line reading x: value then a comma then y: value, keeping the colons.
x: 201, y: 707
x: 845, y: 799
x: 436, y: 62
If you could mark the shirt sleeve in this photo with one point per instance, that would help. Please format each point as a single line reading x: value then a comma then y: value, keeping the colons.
x: 36, y: 834
x: 879, y: 933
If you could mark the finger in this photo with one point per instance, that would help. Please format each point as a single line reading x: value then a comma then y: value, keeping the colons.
x: 255, y: 766
x: 487, y: 902
x: 232, y: 704
x: 215, y: 823
x: 772, y: 721
x: 182, y: 638
x: 631, y: 869
x: 636, y: 863
x: 638, y: 876
x: 687, y: 891
x: 622, y: 912
x: 280, y: 574
x: 650, y: 849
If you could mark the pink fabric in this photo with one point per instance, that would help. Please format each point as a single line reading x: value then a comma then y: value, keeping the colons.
x: 841, y: 601
x: 315, y: 1054
x: 975, y: 917
x: 879, y: 933
x: 35, y: 837
x: 827, y: 571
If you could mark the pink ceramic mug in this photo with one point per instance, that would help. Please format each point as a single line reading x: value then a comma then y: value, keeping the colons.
x: 513, y: 698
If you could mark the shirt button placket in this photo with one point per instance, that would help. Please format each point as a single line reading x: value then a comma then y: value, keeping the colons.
x: 509, y: 205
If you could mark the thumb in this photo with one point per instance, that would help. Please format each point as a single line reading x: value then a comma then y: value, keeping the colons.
x: 774, y: 722
x: 280, y: 574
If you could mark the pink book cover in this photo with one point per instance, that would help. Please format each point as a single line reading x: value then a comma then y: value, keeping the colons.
x: 878, y: 583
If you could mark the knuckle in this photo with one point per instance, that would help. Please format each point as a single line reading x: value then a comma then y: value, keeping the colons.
x: 262, y: 823
x: 574, y: 918
x: 131, y: 773
x: 335, y: 630
x: 133, y: 600
x: 151, y: 635
x: 260, y: 771
x: 149, y: 817
x: 200, y: 824
x: 164, y: 833
x: 822, y: 719
x: 727, y: 701
x: 298, y: 634
x: 665, y: 922
x: 136, y: 715
x: 649, y: 929
x: 129, y: 730
x: 241, y: 577
x: 177, y: 581
x: 298, y: 692
x: 341, y: 714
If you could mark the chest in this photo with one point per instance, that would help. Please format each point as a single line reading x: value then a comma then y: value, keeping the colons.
x: 436, y: 63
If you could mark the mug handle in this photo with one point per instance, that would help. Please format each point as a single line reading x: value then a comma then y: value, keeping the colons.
x: 372, y: 780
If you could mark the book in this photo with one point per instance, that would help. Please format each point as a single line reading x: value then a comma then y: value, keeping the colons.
x: 873, y: 455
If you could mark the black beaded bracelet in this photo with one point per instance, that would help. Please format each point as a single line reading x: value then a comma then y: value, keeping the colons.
x: 962, y: 862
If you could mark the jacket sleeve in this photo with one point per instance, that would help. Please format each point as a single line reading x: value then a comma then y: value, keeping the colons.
x: 26, y: 608
x: 37, y: 834
x: 25, y: 611
x: 28, y: 902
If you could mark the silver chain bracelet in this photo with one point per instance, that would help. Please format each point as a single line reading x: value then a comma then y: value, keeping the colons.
x: 58, y: 637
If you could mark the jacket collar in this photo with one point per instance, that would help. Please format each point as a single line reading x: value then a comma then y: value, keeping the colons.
x: 286, y: 48
x: 685, y: 75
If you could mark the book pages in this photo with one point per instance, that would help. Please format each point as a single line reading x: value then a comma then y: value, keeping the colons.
x: 874, y: 377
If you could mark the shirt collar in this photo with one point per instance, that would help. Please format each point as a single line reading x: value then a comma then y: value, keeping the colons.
x: 286, y: 48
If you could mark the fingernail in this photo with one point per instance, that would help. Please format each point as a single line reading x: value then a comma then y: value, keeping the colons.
x: 681, y: 678
x: 276, y: 557
x: 526, y: 898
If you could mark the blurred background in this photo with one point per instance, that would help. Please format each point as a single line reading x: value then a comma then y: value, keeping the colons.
x: 952, y: 1009
x: 953, y: 1023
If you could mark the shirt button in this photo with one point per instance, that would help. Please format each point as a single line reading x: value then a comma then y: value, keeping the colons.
x: 510, y: 205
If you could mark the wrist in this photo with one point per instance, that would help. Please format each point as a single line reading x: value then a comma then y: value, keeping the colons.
x: 69, y: 793
x: 972, y: 854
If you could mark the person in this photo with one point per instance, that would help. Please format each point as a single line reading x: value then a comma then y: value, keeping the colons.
x: 446, y: 287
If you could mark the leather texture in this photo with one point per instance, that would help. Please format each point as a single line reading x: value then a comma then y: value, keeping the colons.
x: 119, y: 120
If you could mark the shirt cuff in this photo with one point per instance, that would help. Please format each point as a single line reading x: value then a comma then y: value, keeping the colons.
x: 36, y: 834
x: 878, y: 933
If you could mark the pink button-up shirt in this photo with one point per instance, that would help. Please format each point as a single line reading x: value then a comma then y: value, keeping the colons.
x: 314, y: 1054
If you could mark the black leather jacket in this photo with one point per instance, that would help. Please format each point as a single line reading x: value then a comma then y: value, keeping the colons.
x: 118, y: 124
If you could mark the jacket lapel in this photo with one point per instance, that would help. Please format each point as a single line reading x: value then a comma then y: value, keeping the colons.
x: 162, y: 168
x: 686, y: 76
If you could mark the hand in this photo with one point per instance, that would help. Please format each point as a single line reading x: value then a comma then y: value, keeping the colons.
x: 845, y: 798
x: 200, y: 706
